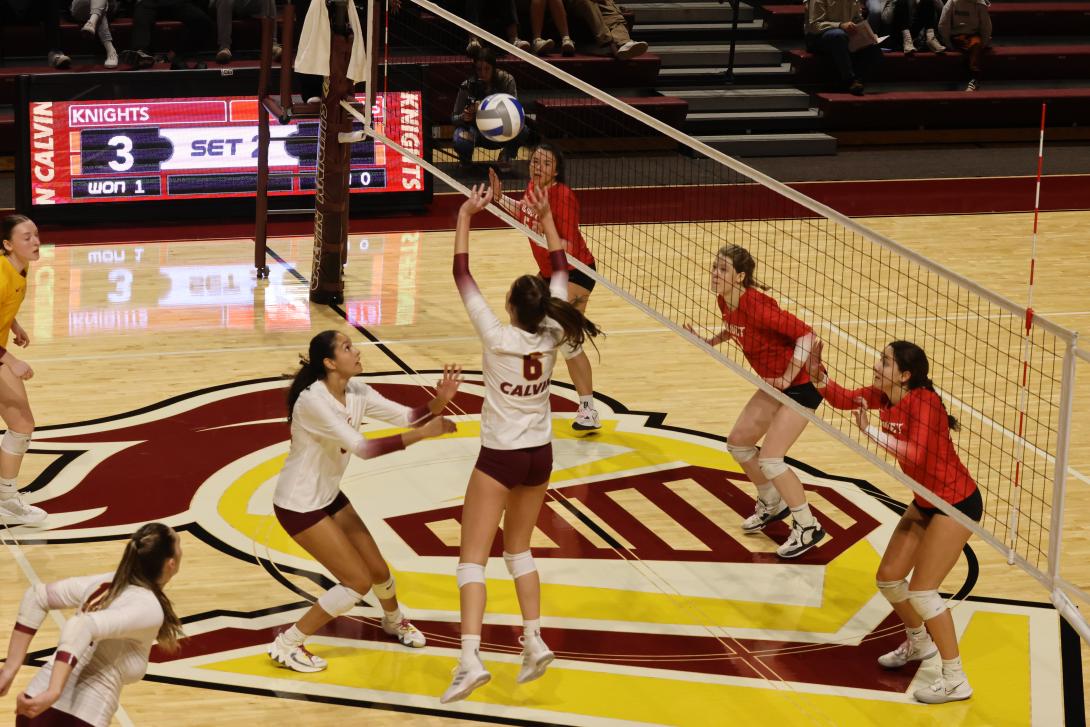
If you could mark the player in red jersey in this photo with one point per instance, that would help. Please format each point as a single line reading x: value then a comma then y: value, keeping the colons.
x: 20, y: 248
x: 547, y: 173
x: 512, y: 472
x: 915, y: 428
x: 777, y: 345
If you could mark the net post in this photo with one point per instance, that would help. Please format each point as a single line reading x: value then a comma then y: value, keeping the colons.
x: 331, y: 184
x: 261, y: 223
x: 287, y: 58
x: 1063, y: 443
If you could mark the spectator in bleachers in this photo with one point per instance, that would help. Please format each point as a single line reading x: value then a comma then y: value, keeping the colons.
x: 505, y: 12
x: 197, y: 30
x: 485, y: 81
x: 893, y: 18
x: 925, y: 24
x: 836, y: 28
x: 93, y: 14
x: 967, y: 26
x: 540, y: 45
x: 228, y: 10
x: 46, y: 12
x: 604, y: 21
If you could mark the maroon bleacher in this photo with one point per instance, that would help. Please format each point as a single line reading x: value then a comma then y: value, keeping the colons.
x: 589, y: 117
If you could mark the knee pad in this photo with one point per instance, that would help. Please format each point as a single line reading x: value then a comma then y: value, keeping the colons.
x: 894, y: 591
x: 470, y: 573
x: 519, y: 564
x: 384, y: 590
x: 338, y: 600
x: 928, y: 604
x: 15, y: 442
x: 741, y: 453
x: 772, y: 467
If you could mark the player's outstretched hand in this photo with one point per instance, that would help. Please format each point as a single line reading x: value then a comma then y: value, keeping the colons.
x: 539, y: 201
x: 448, y: 385
x: 437, y: 427
x: 814, y: 366
x: 689, y: 327
x: 495, y: 183
x: 862, y: 414
x: 479, y: 198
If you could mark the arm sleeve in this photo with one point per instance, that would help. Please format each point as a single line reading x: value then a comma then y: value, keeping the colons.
x: 377, y: 406
x: 32, y: 609
x: 129, y: 620
x: 566, y: 217
x: 322, y: 421
x: 945, y: 20
x: 819, y: 18
x: 775, y: 318
x: 508, y: 86
x: 558, y: 281
x: 985, y: 25
x: 840, y: 398
x: 482, y: 317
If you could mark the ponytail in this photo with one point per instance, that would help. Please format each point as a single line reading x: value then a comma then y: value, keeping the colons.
x: 532, y: 301
x: 951, y: 420
x: 142, y: 563
x: 311, y: 367
x: 577, y: 327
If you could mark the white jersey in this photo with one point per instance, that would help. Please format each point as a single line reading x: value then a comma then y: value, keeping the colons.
x: 113, y: 643
x: 518, y: 367
x: 324, y: 435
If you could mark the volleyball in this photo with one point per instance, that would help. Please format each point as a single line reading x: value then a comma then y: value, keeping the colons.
x: 500, y: 117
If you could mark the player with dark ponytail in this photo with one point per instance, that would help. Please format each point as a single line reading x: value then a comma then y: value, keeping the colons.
x: 513, y: 468
x: 914, y: 426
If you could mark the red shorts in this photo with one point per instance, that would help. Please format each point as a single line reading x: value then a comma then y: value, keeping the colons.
x: 51, y: 718
x: 296, y: 522
x: 513, y: 467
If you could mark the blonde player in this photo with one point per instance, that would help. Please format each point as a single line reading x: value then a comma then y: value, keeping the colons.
x: 326, y: 406
x: 547, y: 175
x: 513, y: 468
x: 106, y: 644
x: 777, y: 345
x: 915, y: 427
x: 21, y: 245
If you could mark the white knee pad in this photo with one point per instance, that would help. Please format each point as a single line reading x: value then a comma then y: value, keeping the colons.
x: 384, y: 590
x: 894, y: 591
x: 470, y: 573
x: 772, y: 467
x: 15, y: 442
x: 741, y: 454
x: 928, y: 604
x: 338, y: 600
x: 519, y: 564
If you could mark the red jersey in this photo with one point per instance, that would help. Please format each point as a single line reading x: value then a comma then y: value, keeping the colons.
x: 766, y: 333
x: 565, y: 209
x: 918, y: 434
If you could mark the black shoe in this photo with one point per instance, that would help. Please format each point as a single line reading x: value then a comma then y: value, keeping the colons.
x: 856, y: 88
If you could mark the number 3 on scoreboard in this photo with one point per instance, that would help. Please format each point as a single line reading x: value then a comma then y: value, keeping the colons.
x: 123, y: 146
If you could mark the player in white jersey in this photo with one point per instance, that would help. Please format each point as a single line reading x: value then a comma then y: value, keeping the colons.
x: 326, y: 406
x: 105, y: 645
x: 513, y: 468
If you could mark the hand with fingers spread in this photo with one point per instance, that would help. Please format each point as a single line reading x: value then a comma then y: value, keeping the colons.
x: 539, y: 202
x: 479, y: 198
x: 862, y: 414
x: 815, y: 367
x: 448, y: 385
x: 495, y: 183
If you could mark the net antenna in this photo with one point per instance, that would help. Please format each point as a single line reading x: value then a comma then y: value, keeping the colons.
x: 332, y: 46
x: 657, y: 205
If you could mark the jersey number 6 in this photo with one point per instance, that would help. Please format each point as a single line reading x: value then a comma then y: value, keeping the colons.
x: 531, y: 366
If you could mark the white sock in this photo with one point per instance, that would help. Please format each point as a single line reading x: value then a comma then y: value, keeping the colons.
x: 8, y: 488
x: 907, y: 34
x: 929, y: 34
x: 394, y: 616
x: 471, y: 647
x: 951, y: 668
x: 531, y: 626
x: 916, y: 634
x: 802, y: 515
x: 587, y: 402
x: 766, y: 491
x: 293, y: 636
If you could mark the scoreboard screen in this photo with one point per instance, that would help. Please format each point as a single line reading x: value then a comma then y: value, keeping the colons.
x: 146, y: 150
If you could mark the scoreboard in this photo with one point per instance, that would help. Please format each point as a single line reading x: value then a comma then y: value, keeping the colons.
x: 146, y: 150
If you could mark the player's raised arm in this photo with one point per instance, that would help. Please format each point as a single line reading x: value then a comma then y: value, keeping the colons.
x: 478, y: 199
x: 558, y: 260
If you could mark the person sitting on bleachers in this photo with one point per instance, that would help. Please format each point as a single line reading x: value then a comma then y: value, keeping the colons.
x: 604, y: 21
x: 485, y: 81
x: 967, y: 26
x: 505, y: 13
x: 93, y: 14
x: 228, y: 10
x: 836, y: 28
x: 48, y: 13
x: 925, y: 23
x: 541, y: 45
x: 893, y: 18
x: 197, y: 30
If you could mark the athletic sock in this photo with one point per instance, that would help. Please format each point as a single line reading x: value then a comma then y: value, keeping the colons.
x: 803, y: 516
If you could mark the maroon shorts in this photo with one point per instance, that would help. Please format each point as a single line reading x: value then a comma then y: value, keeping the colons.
x: 296, y: 522
x: 512, y: 467
x: 51, y: 718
